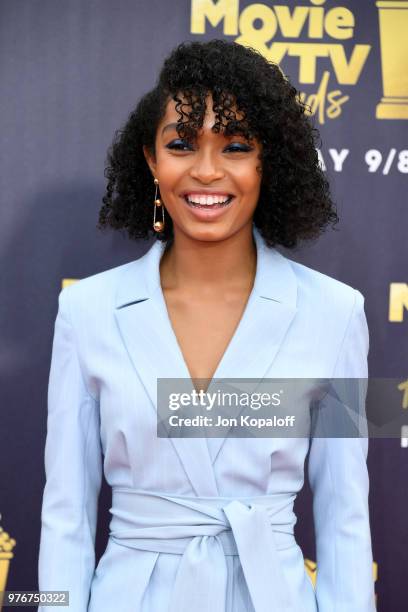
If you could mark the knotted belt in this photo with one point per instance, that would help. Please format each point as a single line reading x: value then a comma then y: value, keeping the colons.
x: 205, y: 529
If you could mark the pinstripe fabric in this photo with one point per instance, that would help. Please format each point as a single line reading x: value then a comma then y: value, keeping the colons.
x: 113, y: 339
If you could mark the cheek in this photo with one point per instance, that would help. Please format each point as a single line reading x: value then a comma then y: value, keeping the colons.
x: 169, y: 175
x: 249, y: 180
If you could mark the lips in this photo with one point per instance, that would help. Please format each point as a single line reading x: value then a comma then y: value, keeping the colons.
x: 207, y: 212
x: 204, y: 198
x: 208, y: 202
x: 204, y: 192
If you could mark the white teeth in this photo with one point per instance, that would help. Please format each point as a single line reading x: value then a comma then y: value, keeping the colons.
x: 207, y: 200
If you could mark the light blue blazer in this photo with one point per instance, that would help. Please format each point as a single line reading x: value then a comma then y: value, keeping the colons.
x: 200, y: 525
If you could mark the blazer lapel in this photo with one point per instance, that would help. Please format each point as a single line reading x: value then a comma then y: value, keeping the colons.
x: 146, y: 331
x: 268, y: 315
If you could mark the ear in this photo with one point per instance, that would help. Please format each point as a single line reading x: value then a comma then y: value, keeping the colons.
x: 150, y: 159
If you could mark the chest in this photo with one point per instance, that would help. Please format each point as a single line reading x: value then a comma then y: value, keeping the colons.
x: 204, y: 330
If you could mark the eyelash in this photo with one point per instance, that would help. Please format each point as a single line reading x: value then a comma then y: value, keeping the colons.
x: 176, y: 146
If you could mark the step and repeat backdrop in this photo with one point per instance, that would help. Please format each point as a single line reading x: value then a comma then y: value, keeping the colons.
x: 71, y: 72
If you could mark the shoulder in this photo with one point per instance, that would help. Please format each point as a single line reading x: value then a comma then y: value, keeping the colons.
x: 333, y: 314
x: 327, y: 295
x: 95, y: 293
x: 328, y: 308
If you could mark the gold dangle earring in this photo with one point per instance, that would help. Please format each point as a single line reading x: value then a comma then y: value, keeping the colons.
x: 158, y: 226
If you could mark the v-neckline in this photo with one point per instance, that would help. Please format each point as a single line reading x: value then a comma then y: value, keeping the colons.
x: 227, y: 349
x: 145, y: 328
x: 174, y: 340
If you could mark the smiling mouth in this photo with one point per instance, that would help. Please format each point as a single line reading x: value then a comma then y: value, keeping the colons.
x: 208, y: 206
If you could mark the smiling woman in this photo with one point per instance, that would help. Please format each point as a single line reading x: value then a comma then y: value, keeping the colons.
x: 215, y: 177
x: 222, y: 149
x: 220, y: 107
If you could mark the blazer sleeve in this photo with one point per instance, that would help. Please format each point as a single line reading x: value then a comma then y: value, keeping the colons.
x: 339, y: 481
x: 73, y: 468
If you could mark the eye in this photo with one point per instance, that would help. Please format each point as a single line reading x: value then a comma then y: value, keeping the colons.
x: 182, y: 145
x: 177, y: 145
x: 239, y: 148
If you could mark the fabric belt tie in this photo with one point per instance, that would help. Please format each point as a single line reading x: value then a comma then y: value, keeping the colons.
x: 205, y: 529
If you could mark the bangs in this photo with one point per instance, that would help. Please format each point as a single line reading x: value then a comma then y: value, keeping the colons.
x: 231, y: 118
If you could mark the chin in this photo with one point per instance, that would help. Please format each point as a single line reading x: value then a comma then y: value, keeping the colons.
x: 207, y: 234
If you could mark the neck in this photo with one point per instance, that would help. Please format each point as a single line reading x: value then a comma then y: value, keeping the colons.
x: 210, y: 267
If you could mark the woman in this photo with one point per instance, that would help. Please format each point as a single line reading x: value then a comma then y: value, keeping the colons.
x: 219, y: 162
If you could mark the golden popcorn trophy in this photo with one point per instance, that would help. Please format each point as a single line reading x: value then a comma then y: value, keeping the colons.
x: 311, y: 569
x: 6, y: 546
x: 393, y: 22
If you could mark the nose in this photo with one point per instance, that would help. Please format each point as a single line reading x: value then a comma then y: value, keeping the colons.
x: 206, y: 167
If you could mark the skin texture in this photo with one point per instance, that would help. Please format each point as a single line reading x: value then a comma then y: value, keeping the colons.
x: 208, y: 273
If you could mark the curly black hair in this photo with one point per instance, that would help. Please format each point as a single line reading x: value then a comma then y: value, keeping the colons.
x: 294, y: 203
